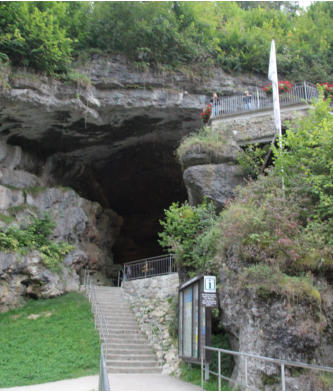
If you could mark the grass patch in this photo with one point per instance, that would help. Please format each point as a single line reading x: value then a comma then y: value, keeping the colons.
x: 48, y: 340
x: 6, y: 219
x: 192, y: 373
x: 327, y: 381
x: 269, y: 282
x: 212, y: 143
x: 35, y: 190
x: 22, y: 207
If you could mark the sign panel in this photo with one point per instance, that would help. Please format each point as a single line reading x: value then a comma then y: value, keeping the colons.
x: 209, y: 300
x: 209, y: 284
x: 187, y: 331
x: 196, y: 298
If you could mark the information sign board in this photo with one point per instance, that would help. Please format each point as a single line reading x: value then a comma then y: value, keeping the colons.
x: 209, y: 284
x: 196, y: 297
x: 209, y: 300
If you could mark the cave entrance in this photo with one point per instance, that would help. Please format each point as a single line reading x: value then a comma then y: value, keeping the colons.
x: 138, y: 184
x: 130, y: 168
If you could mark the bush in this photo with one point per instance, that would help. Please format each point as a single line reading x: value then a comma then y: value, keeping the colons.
x: 181, y: 235
x: 35, y: 236
x: 252, y: 160
x: 306, y: 158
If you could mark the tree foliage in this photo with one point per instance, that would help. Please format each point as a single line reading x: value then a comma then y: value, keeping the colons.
x: 233, y: 35
x: 306, y: 159
x: 183, y: 228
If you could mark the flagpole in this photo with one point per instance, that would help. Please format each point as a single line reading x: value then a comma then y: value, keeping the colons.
x: 273, y: 76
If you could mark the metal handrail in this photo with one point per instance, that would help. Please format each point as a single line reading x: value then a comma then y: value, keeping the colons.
x: 235, y: 104
x: 149, y: 267
x: 280, y: 362
x: 103, y: 329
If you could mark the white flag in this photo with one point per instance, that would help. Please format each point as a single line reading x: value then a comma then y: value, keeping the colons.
x: 273, y: 76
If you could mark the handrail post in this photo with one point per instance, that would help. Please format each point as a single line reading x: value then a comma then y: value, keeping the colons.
x: 246, y: 380
x: 305, y: 91
x: 202, y: 361
x: 219, y: 371
x: 283, y: 379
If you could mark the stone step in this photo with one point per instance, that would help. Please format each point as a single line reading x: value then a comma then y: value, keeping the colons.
x: 112, y: 342
x: 116, y: 311
x: 125, y: 332
x: 133, y: 370
x: 139, y: 351
x: 116, y: 325
x: 130, y: 357
x: 139, y: 339
x: 134, y: 364
x: 127, y: 346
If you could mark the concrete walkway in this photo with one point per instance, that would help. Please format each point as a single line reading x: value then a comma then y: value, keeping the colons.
x: 118, y: 382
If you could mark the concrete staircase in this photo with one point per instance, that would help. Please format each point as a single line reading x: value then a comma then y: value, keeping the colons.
x: 128, y: 348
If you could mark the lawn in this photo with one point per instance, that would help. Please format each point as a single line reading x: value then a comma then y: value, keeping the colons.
x: 48, y: 340
x: 192, y: 373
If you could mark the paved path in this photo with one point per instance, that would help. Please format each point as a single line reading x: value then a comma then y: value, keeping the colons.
x: 118, y: 382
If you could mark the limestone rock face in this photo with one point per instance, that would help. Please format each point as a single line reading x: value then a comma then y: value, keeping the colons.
x: 215, y: 182
x: 27, y: 276
x: 89, y: 228
x: 276, y: 327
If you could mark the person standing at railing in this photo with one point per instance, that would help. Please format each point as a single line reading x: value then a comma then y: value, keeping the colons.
x: 247, y: 100
x: 215, y: 104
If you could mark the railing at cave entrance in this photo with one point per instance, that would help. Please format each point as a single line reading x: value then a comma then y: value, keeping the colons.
x: 149, y: 267
x: 236, y: 104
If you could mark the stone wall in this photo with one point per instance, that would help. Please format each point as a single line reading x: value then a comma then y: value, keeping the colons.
x: 157, y: 298
x: 256, y: 127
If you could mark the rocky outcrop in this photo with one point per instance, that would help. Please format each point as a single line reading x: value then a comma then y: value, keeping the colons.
x: 111, y: 133
x: 89, y: 228
x: 211, y: 169
x: 154, y: 303
x: 277, y: 326
x: 213, y: 182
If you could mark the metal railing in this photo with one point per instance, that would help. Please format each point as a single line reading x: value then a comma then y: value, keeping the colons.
x: 102, y: 326
x: 236, y: 104
x: 152, y: 266
x: 246, y: 356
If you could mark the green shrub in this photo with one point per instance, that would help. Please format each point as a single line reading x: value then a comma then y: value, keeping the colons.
x: 182, y: 227
x: 306, y: 158
x: 252, y: 160
x: 35, y: 236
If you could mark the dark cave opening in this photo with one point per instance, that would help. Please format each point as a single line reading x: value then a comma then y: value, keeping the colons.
x: 139, y: 183
x: 131, y: 169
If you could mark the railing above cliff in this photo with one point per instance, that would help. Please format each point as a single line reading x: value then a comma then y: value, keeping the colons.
x: 237, y: 104
x: 152, y: 266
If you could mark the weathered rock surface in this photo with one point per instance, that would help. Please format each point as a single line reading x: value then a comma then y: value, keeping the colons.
x: 277, y: 327
x: 215, y: 182
x: 154, y: 299
x: 91, y: 229
x: 121, y: 129
x: 27, y: 276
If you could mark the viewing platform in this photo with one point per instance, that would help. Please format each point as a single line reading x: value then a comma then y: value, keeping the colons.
x: 300, y: 94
